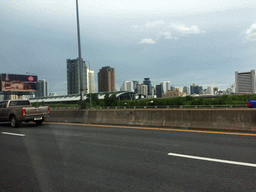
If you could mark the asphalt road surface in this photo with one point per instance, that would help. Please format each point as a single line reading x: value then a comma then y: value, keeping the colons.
x: 67, y: 157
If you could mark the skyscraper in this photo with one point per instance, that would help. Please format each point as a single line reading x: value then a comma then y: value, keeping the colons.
x: 106, y: 79
x: 127, y: 86
x: 159, y: 91
x: 135, y: 86
x: 166, y: 86
x: 245, y: 82
x: 148, y: 83
x: 90, y: 81
x: 209, y: 90
x: 42, y: 88
x: 195, y: 89
x: 73, y: 76
x: 186, y: 90
x: 143, y: 89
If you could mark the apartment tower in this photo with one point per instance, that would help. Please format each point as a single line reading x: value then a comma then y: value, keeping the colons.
x: 106, y: 79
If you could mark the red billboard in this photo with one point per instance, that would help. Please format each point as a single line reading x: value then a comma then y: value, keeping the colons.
x: 18, y: 83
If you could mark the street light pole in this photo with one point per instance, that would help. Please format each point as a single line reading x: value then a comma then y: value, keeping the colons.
x: 79, y: 58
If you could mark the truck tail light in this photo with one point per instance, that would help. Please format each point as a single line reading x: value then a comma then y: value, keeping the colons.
x: 23, y: 112
x: 48, y: 110
x: 249, y: 104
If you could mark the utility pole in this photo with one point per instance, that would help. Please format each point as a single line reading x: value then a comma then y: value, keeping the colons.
x: 79, y: 59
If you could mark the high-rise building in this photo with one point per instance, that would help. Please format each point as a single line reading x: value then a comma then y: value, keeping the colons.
x: 127, y: 86
x: 196, y: 89
x: 245, y: 82
x: 186, y: 90
x: 166, y: 86
x: 73, y: 76
x: 135, y: 86
x: 143, y: 89
x: 159, y: 91
x: 233, y: 88
x: 148, y: 83
x: 209, y: 90
x: 42, y: 88
x: 90, y: 81
x: 106, y: 79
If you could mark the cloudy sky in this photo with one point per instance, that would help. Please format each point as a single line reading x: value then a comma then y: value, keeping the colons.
x: 182, y: 41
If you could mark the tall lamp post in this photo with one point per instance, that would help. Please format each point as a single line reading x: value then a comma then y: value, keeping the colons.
x: 90, y: 84
x: 79, y: 59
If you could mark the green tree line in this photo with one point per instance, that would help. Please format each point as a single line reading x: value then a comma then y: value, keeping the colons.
x: 188, y: 100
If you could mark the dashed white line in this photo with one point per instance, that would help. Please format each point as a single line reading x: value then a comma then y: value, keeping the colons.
x: 211, y: 159
x: 16, y: 134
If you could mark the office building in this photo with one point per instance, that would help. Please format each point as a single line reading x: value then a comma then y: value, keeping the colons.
x: 73, y: 76
x: 153, y: 95
x: 159, y: 91
x: 172, y: 88
x: 186, y: 90
x: 166, y: 86
x: 196, y: 89
x: 42, y: 88
x: 233, y: 88
x: 172, y: 94
x: 90, y: 81
x: 143, y: 89
x: 106, y: 79
x: 135, y: 86
x: 245, y: 82
x: 127, y: 86
x: 180, y: 89
x: 209, y: 90
x: 148, y: 83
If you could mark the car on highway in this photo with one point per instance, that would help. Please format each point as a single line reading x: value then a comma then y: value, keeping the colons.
x: 17, y: 111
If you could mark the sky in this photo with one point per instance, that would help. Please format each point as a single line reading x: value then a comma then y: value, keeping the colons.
x: 182, y: 41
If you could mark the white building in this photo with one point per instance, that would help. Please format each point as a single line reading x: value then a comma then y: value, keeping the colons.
x: 166, y: 86
x: 143, y: 89
x: 245, y: 82
x: 127, y: 86
x: 209, y: 90
x: 42, y: 88
x: 233, y: 88
x: 90, y: 81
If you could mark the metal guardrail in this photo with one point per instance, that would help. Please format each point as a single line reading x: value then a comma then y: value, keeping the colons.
x: 163, y: 107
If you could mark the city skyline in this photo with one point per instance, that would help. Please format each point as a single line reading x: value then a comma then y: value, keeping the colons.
x: 183, y: 42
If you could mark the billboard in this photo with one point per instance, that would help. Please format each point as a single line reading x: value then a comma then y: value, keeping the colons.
x: 18, y: 83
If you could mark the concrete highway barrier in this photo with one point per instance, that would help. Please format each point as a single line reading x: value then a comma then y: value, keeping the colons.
x: 207, y: 119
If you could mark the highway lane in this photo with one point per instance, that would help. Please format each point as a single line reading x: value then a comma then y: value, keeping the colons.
x: 66, y: 157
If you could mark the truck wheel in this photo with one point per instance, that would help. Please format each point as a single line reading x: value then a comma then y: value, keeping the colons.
x: 39, y: 122
x: 14, y: 122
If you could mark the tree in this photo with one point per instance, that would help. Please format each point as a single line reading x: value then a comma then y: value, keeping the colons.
x: 113, y: 100
x: 107, y: 100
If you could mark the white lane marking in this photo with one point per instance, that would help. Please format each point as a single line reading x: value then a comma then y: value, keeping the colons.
x: 211, y: 159
x: 16, y: 134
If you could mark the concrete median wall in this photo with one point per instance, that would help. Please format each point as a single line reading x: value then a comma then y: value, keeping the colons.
x: 208, y: 119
